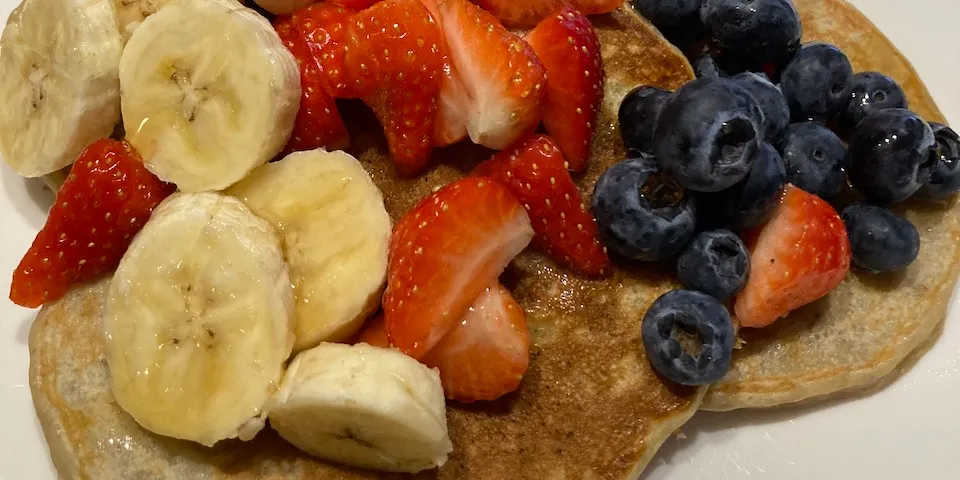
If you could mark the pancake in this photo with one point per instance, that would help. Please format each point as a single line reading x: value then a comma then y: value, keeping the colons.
x: 857, y: 335
x: 589, y: 407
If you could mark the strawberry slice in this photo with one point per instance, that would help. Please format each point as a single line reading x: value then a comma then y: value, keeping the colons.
x: 444, y: 253
x: 530, y: 12
x: 535, y: 171
x: 104, y: 202
x: 799, y: 256
x: 324, y: 27
x: 453, y: 106
x: 318, y: 123
x: 569, y: 50
x: 374, y: 333
x: 500, y: 73
x: 354, y: 4
x: 395, y: 56
x: 488, y: 352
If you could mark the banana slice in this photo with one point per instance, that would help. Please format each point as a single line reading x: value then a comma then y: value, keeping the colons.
x: 364, y: 406
x: 336, y: 233
x: 199, y: 320
x: 130, y: 13
x: 59, y: 85
x: 209, y: 93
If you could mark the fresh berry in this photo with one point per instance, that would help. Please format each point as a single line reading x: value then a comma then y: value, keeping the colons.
x: 638, y: 116
x: 324, y: 26
x: 354, y: 4
x: 666, y: 14
x: 944, y: 176
x: 869, y: 92
x: 708, y: 134
x: 395, y: 57
x: 706, y: 66
x: 681, y: 313
x: 374, y: 333
x: 453, y: 104
x: 531, y: 12
x: 799, y: 256
x: 776, y: 113
x: 567, y: 46
x: 816, y: 159
x: 716, y: 263
x: 753, y: 32
x: 486, y: 354
x: 535, y: 171
x: 318, y: 123
x: 641, y: 213
x: 104, y: 202
x: 503, y: 77
x: 816, y: 83
x: 444, y: 253
x: 881, y: 241
x: 751, y: 201
x: 892, y: 154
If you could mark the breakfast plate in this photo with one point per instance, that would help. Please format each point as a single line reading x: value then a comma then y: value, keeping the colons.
x: 903, y: 429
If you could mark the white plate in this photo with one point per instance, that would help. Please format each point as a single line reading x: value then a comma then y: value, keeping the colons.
x: 910, y: 429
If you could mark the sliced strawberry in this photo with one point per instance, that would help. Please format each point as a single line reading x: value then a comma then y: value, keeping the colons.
x: 502, y: 76
x: 535, y: 171
x: 354, y: 4
x: 488, y: 352
x: 104, y: 202
x: 799, y: 256
x: 318, y: 123
x: 453, y: 107
x: 374, y: 333
x: 444, y: 253
x: 324, y: 26
x: 395, y: 59
x: 569, y: 49
x: 530, y: 12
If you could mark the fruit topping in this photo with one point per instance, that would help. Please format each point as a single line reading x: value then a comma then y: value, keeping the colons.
x: 706, y: 66
x: 529, y: 13
x: 799, y: 256
x: 374, y: 333
x: 666, y: 14
x: 444, y: 253
x: 776, y: 113
x: 637, y: 117
x: 104, y: 202
x: 354, y: 4
x: 881, y: 241
x: 892, y: 153
x: 751, y: 201
x: 641, y: 213
x: 945, y: 176
x: 277, y: 7
x: 688, y: 337
x: 708, y: 134
x: 870, y: 92
x: 453, y: 105
x: 816, y: 159
x: 716, y: 262
x: 816, y: 83
x: 751, y: 33
x: 324, y: 28
x: 569, y: 50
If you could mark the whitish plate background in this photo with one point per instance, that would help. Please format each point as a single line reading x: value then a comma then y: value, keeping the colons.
x: 910, y: 429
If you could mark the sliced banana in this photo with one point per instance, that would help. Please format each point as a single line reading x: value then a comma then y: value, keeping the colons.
x: 199, y: 320
x: 209, y: 93
x: 130, y: 13
x: 336, y: 233
x: 59, y: 84
x: 363, y: 406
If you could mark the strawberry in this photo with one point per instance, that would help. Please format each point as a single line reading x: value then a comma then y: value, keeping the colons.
x: 394, y: 57
x: 799, y: 256
x: 503, y: 78
x: 535, y: 171
x: 354, y: 4
x: 488, y: 352
x: 453, y: 105
x: 567, y: 45
x: 443, y: 254
x: 529, y: 13
x: 324, y: 27
x: 104, y: 202
x: 318, y: 123
x: 374, y: 333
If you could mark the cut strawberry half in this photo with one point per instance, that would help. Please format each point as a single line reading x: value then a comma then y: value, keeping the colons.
x: 528, y: 13
x: 374, y: 333
x: 324, y: 28
x: 444, y: 253
x: 569, y: 50
x: 799, y: 256
x: 453, y: 105
x: 354, y: 4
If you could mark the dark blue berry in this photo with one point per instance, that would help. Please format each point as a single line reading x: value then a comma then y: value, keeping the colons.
x: 708, y: 134
x: 776, y: 113
x: 637, y: 117
x: 686, y: 312
x: 816, y: 82
x: 641, y: 214
x: 755, y: 32
x: 944, y: 176
x: 706, y: 66
x: 891, y: 154
x: 880, y: 240
x: 716, y: 263
x: 869, y: 92
x: 667, y: 13
x: 751, y: 201
x: 816, y: 159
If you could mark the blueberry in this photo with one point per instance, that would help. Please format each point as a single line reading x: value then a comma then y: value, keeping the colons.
x: 776, y: 113
x: 687, y: 312
x: 880, y: 240
x: 757, y: 32
x: 869, y: 92
x: 816, y: 83
x: 637, y: 116
x: 716, y: 263
x: 708, y: 134
x: 945, y: 176
x: 815, y: 158
x: 891, y: 154
x: 667, y: 13
x: 706, y: 66
x: 641, y: 214
x: 751, y: 201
